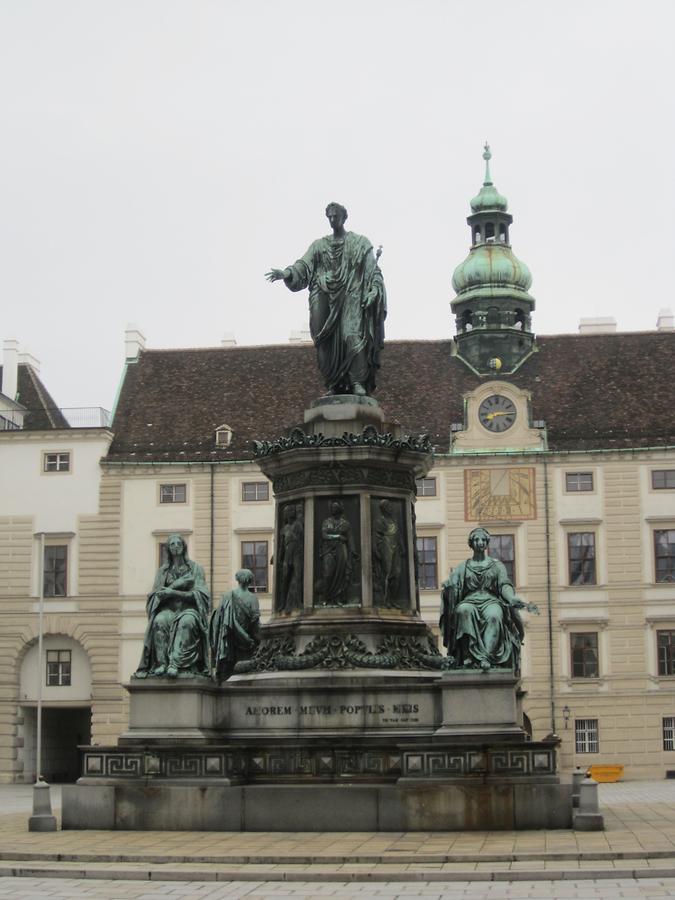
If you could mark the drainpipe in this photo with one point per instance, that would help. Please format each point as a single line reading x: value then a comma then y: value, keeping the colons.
x: 211, y: 549
x: 548, y: 597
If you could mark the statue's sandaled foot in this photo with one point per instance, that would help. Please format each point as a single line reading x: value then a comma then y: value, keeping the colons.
x: 172, y: 672
x: 140, y: 674
x: 159, y: 670
x: 485, y: 665
x: 358, y: 389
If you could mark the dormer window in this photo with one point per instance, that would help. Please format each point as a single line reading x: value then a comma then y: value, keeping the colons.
x: 223, y: 436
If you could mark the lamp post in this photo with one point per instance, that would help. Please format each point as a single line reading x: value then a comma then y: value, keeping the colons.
x: 42, y: 818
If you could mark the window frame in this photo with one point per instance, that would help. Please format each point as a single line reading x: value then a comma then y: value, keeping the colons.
x: 258, y: 589
x: 173, y: 485
x: 256, y: 484
x: 61, y: 676
x: 509, y: 563
x: 585, y: 583
x: 59, y: 470
x: 584, y: 634
x: 421, y: 563
x: 670, y: 654
x: 668, y: 725
x: 50, y: 545
x: 419, y: 484
x: 671, y: 578
x: 579, y: 490
x: 665, y: 473
x: 586, y: 736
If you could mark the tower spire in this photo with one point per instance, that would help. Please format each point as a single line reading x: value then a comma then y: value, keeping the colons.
x: 487, y: 156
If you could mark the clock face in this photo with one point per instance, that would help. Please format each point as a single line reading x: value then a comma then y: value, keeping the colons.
x: 497, y: 413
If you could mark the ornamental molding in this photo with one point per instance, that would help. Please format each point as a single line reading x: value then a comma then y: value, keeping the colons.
x: 369, y: 437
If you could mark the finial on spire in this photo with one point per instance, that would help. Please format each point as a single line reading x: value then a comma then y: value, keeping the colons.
x: 487, y: 156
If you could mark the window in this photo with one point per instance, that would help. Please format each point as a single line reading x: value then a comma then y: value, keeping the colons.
x: 669, y: 732
x: 663, y: 479
x: 223, y: 436
x: 58, y: 668
x: 578, y: 481
x: 502, y: 547
x: 581, y: 549
x: 664, y: 554
x: 172, y: 493
x: 665, y: 649
x: 584, y: 647
x: 255, y: 490
x: 427, y: 558
x: 426, y: 487
x: 586, y: 735
x: 55, y: 571
x: 56, y: 462
x: 254, y: 557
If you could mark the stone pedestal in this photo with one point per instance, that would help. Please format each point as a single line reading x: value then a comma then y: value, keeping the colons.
x: 347, y: 716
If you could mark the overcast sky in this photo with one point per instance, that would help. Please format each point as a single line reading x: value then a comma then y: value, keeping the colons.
x: 158, y: 156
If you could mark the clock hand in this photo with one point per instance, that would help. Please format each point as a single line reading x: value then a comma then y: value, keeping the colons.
x: 492, y: 415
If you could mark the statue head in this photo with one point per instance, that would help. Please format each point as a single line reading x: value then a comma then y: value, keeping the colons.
x: 479, y: 532
x: 336, y: 212
x: 290, y: 513
x: 337, y: 508
x: 176, y: 547
x: 244, y: 577
x: 385, y: 507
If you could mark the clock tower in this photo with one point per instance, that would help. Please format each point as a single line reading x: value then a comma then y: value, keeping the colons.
x: 493, y: 307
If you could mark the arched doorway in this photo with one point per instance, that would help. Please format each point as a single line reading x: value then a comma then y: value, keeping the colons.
x: 66, y: 708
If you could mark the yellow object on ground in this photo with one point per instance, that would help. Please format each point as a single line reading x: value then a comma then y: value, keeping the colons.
x: 605, y: 774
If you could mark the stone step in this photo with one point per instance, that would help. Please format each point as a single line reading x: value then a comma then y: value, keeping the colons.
x: 548, y: 870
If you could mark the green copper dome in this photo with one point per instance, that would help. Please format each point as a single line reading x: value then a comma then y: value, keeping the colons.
x: 488, y: 197
x: 491, y: 266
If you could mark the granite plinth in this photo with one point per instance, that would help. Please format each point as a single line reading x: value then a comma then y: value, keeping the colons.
x: 339, y: 413
x: 333, y: 807
x: 450, y: 707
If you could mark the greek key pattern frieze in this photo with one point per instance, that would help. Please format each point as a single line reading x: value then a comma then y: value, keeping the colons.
x: 307, y: 764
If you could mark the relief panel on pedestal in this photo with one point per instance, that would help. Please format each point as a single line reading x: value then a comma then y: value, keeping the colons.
x: 337, y: 551
x: 391, y: 581
x: 290, y: 557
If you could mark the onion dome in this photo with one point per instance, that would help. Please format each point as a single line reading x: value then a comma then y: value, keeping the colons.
x: 488, y: 197
x: 491, y: 266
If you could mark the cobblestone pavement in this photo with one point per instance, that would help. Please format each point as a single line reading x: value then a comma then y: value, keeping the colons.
x: 71, y: 889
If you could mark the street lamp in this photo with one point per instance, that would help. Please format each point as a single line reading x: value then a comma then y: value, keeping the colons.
x: 42, y: 818
x: 566, y: 715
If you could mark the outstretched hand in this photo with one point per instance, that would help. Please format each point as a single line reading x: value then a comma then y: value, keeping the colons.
x: 274, y: 275
x: 530, y: 607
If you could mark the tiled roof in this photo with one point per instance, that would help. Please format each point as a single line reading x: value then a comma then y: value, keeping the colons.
x: 593, y: 392
x: 43, y: 413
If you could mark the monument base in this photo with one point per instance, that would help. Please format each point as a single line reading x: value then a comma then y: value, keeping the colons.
x: 323, y: 751
x: 429, y: 805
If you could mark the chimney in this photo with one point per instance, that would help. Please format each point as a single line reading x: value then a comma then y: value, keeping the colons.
x: 134, y: 341
x: 10, y: 368
x: 665, y: 320
x: 27, y: 359
x: 228, y: 339
x: 599, y: 325
x: 300, y: 337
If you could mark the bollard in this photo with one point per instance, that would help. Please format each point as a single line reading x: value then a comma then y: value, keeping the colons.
x: 577, y: 778
x: 588, y: 817
x: 42, y: 818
